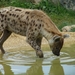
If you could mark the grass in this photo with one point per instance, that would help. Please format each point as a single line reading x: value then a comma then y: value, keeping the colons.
x: 63, y: 20
x: 60, y: 16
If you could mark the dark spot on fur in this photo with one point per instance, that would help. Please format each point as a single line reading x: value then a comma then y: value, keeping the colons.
x: 3, y: 28
x: 21, y: 16
x: 33, y: 22
x: 32, y: 34
x: 24, y: 27
x: 8, y: 19
x: 32, y: 16
x: 10, y: 14
x: 28, y: 38
x: 20, y: 25
x: 32, y: 30
x: 20, y: 30
x: 18, y: 10
x: 14, y: 22
x: 10, y: 9
x: 11, y: 24
x: 42, y: 25
x: 30, y: 24
x: 35, y: 29
x: 39, y: 26
x: 21, y: 21
x: 14, y: 15
x: 2, y: 15
x: 7, y: 12
x: 5, y: 15
x: 5, y: 18
x: 33, y: 37
x: 27, y: 18
x: 36, y: 25
x: 2, y: 20
x: 17, y: 15
x: 28, y: 33
x: 52, y: 32
x: 1, y: 25
x: 27, y: 12
x: 24, y: 22
x: 17, y: 29
x: 39, y: 20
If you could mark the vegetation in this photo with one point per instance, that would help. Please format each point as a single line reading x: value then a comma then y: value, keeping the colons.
x: 60, y: 16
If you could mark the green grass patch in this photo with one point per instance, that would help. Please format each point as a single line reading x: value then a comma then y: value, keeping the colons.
x: 60, y: 16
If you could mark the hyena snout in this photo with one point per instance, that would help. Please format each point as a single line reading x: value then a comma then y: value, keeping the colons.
x: 57, y: 45
x: 56, y: 52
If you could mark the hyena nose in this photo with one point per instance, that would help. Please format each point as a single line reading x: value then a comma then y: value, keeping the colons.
x: 56, y: 53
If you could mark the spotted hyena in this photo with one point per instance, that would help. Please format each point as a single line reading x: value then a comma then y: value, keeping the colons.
x: 32, y: 23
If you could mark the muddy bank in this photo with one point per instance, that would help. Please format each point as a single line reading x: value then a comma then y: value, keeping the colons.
x: 15, y: 41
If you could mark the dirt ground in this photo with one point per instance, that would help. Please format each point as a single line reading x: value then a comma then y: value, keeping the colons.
x: 15, y: 41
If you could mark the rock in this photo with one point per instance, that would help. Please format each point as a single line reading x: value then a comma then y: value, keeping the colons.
x: 68, y: 4
x: 68, y: 28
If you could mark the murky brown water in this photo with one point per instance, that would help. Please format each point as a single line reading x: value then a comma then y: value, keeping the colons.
x: 23, y: 61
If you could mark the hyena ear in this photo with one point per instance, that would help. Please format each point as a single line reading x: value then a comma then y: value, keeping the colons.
x: 66, y: 35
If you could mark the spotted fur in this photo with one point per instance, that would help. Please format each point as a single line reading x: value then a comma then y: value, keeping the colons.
x: 32, y: 23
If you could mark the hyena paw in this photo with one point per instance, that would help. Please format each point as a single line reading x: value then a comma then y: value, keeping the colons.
x: 39, y: 53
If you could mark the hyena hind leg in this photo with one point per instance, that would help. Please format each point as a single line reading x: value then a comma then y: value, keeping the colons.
x: 3, y: 38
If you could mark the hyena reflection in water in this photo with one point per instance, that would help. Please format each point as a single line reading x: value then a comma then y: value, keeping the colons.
x: 34, y: 24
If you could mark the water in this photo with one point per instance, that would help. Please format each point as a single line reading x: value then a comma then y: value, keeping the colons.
x: 24, y: 62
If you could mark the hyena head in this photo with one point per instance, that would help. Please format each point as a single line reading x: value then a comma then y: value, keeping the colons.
x: 56, y: 44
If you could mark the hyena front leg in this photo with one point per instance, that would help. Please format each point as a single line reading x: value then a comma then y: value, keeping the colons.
x: 38, y: 42
x: 36, y: 46
x: 4, y: 37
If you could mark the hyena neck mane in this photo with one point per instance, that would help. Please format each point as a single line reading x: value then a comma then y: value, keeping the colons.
x: 50, y: 29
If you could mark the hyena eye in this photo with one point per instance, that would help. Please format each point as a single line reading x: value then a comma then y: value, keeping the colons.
x: 57, y: 40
